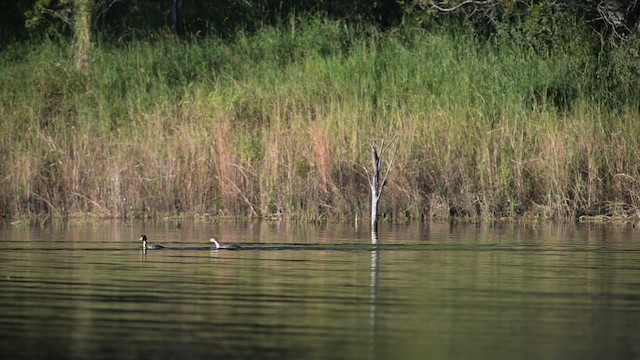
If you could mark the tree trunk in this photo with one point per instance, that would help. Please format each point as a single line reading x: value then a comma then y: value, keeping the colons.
x: 176, y: 17
x: 376, y: 188
x: 82, y: 35
x: 377, y: 183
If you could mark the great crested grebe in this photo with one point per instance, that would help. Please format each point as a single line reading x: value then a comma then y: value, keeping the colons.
x: 143, y: 238
x: 227, y: 247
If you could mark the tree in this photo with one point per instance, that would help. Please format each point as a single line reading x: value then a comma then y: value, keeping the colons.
x: 619, y: 16
x: 378, y: 182
x: 12, y: 20
x: 82, y: 35
x: 76, y: 15
x: 176, y: 17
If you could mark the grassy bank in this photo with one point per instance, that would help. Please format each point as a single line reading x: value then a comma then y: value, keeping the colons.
x: 278, y: 123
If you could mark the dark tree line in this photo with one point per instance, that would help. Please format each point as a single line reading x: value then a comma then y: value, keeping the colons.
x: 620, y: 17
x: 21, y: 19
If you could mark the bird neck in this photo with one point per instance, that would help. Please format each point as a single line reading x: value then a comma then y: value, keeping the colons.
x: 216, y: 242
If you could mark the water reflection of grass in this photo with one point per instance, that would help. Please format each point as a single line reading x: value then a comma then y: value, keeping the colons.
x: 277, y: 125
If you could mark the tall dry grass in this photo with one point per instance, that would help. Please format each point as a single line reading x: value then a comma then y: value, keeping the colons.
x: 278, y: 124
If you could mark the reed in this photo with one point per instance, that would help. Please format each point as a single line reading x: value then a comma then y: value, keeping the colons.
x: 278, y: 124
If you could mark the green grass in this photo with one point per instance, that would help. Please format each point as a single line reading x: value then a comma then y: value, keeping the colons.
x: 279, y: 123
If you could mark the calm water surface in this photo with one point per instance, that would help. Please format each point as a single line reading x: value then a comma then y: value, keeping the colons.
x: 87, y: 291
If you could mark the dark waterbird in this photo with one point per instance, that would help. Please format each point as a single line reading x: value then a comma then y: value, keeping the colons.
x: 227, y: 247
x: 143, y: 238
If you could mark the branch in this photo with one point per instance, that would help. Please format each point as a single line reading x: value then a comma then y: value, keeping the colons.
x: 253, y: 209
x: 102, y: 6
x: 375, y: 175
x: 53, y: 208
x: 439, y: 6
x: 366, y: 172
x: 612, y: 13
x: 390, y: 163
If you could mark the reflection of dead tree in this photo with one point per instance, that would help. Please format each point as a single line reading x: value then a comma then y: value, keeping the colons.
x: 376, y: 182
x: 373, y: 297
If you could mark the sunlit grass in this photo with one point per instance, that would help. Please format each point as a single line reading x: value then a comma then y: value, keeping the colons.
x: 279, y: 123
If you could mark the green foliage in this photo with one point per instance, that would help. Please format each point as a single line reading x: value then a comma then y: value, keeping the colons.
x: 548, y: 26
x: 277, y: 122
x: 620, y: 76
x: 50, y: 17
x: 12, y: 20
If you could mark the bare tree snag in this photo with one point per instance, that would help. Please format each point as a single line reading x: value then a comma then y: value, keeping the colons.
x: 376, y: 182
x: 376, y: 187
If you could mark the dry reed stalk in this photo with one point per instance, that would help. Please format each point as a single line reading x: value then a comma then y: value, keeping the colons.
x: 117, y: 205
x: 437, y: 206
x: 321, y: 155
x: 235, y: 180
x: 225, y: 155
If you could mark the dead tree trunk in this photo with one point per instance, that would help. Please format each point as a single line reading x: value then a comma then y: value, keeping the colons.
x: 377, y: 182
x: 377, y: 185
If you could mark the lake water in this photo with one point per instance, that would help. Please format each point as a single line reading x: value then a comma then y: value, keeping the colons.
x: 85, y: 290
